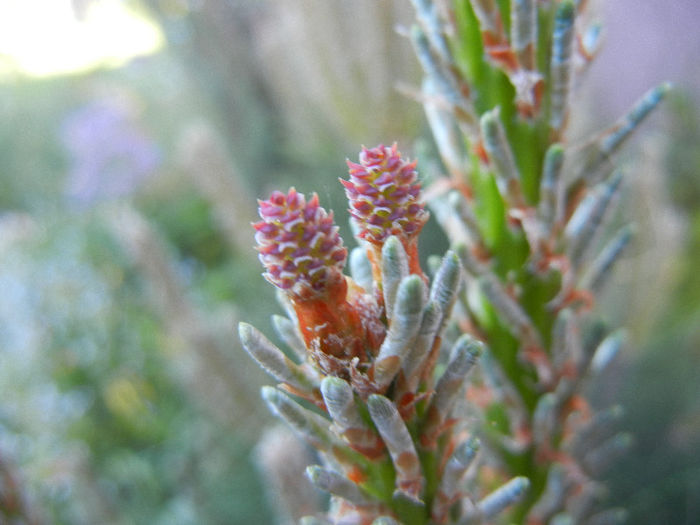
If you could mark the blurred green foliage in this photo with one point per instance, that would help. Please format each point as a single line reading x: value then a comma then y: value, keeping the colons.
x: 658, y: 482
x: 105, y: 430
x: 132, y: 446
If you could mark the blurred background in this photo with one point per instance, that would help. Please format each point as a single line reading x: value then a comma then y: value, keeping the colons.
x: 136, y: 136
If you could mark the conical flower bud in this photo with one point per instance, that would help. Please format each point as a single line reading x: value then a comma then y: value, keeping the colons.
x: 384, y: 195
x: 299, y: 244
x: 303, y: 255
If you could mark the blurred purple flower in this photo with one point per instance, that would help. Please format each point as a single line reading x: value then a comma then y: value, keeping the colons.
x: 110, y: 155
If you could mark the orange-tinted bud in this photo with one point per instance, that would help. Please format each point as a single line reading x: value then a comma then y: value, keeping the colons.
x: 304, y: 255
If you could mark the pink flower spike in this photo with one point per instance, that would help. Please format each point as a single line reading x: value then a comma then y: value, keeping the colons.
x: 384, y: 195
x: 299, y: 237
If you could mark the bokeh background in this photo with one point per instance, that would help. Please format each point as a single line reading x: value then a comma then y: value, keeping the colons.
x: 136, y: 136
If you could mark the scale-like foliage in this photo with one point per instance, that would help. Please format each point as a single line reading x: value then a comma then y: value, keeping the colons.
x: 383, y: 355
